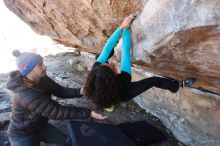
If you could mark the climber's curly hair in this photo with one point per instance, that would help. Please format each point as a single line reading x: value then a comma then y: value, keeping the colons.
x: 102, y: 87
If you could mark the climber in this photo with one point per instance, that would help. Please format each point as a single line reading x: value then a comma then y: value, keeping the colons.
x: 106, y: 88
x: 32, y: 105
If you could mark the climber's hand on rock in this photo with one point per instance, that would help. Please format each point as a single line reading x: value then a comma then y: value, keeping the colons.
x: 82, y: 90
x: 98, y: 116
x: 127, y: 21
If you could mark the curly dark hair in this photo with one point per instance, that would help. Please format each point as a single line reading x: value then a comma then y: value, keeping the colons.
x: 102, y: 87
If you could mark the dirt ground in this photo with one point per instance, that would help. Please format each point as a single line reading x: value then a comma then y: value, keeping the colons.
x: 66, y: 69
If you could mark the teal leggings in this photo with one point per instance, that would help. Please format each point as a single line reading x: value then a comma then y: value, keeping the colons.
x: 48, y: 134
x: 126, y: 45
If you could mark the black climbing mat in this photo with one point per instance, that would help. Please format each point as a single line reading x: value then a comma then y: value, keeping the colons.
x: 142, y: 133
x: 85, y: 133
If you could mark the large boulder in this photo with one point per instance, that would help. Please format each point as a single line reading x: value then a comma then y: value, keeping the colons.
x: 180, y: 39
x: 192, y: 116
x: 171, y: 38
x: 84, y: 24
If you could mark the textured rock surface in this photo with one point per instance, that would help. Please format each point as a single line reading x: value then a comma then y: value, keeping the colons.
x: 79, y: 23
x: 171, y: 38
x: 192, y: 116
x: 180, y: 39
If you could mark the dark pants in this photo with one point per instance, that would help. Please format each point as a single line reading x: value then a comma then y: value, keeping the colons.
x: 48, y: 134
x: 138, y: 87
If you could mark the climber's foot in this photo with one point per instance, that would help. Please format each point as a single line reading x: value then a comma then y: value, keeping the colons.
x: 187, y: 82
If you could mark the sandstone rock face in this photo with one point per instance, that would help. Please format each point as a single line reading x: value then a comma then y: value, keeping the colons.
x: 172, y: 38
x: 191, y: 115
x: 180, y: 39
x: 78, y: 23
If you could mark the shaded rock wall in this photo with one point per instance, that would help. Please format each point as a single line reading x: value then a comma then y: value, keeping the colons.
x: 171, y: 38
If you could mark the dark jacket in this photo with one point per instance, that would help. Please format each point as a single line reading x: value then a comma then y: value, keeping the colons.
x: 32, y: 105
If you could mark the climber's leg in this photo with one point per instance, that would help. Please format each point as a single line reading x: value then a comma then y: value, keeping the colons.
x: 138, y: 87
